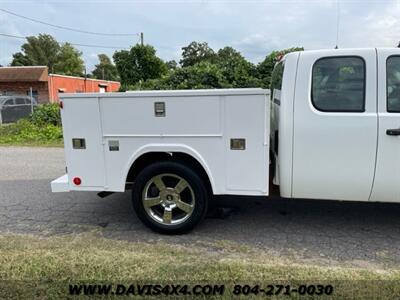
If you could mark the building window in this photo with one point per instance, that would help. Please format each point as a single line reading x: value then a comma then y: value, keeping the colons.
x: 338, y: 84
x: 35, y: 94
x: 102, y: 88
x: 393, y: 84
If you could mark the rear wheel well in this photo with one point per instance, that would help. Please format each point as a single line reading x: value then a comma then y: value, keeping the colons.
x: 148, y: 158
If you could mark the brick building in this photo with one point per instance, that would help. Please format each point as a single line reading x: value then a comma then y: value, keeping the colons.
x: 19, y: 81
x: 46, y: 87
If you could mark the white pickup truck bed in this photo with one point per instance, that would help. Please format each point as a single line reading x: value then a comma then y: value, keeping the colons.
x: 119, y: 128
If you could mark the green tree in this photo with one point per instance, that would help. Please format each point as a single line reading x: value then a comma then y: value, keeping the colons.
x: 265, y: 68
x: 199, y: 76
x: 202, y: 75
x: 172, y: 64
x: 140, y: 63
x: 105, y: 69
x: 237, y: 71
x: 151, y: 84
x: 42, y: 50
x: 196, y: 52
x: 69, y: 61
x: 224, y: 69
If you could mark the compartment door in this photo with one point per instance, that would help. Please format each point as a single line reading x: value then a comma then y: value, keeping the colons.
x: 246, y: 125
x: 81, y: 120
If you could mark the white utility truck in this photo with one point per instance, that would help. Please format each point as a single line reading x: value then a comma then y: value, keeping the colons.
x: 330, y: 129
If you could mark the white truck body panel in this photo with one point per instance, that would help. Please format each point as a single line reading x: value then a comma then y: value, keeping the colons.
x: 334, y: 152
x: 318, y: 154
x: 387, y: 175
x: 199, y: 123
x: 61, y: 184
x: 282, y: 122
x: 88, y: 163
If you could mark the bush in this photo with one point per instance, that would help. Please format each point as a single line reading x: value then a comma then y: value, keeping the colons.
x: 25, y: 132
x: 43, y: 127
x: 46, y: 114
x: 203, y: 75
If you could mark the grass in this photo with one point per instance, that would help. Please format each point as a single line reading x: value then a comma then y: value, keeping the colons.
x: 26, y: 133
x: 41, y: 128
x: 13, y: 143
x: 41, y: 267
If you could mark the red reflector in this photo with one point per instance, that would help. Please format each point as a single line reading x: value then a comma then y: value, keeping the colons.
x: 77, y: 181
x: 61, y: 104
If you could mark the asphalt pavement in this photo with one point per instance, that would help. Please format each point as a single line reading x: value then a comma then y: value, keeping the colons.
x: 325, y: 232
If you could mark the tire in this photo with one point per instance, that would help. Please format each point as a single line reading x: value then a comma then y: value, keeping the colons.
x: 169, y: 197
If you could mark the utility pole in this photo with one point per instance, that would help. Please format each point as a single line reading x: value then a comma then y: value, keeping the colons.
x: 31, y: 96
x: 84, y: 81
x: 141, y: 38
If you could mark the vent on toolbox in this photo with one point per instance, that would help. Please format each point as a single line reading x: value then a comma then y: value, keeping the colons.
x: 238, y: 144
x: 78, y: 143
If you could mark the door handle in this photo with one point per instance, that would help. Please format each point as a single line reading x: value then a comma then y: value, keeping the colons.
x: 393, y: 131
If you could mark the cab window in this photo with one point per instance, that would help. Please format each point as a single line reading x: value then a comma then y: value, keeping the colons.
x: 393, y: 84
x: 276, y: 80
x: 338, y: 84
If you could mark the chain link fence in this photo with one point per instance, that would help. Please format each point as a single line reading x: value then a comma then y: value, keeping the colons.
x: 15, y: 106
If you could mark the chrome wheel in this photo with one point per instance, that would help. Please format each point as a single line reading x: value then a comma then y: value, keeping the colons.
x: 168, y: 199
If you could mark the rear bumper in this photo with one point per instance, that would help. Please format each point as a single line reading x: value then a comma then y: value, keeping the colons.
x: 60, y: 184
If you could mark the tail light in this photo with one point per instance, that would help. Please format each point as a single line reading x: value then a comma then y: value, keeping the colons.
x: 77, y: 181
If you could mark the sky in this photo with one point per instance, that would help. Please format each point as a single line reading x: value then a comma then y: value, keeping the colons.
x: 253, y: 27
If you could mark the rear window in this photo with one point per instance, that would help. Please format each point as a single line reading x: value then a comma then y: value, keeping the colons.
x: 338, y: 84
x: 277, y: 75
x: 393, y: 83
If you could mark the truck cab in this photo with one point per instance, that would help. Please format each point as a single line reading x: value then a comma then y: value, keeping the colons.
x: 335, y: 119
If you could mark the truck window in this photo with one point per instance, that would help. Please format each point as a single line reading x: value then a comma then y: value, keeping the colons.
x: 276, y: 80
x: 393, y: 83
x: 338, y: 84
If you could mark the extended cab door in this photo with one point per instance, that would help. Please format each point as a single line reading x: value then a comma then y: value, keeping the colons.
x: 387, y: 177
x: 335, y: 125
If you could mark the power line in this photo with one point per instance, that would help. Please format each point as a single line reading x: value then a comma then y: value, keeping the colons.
x: 74, y: 44
x: 68, y: 28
